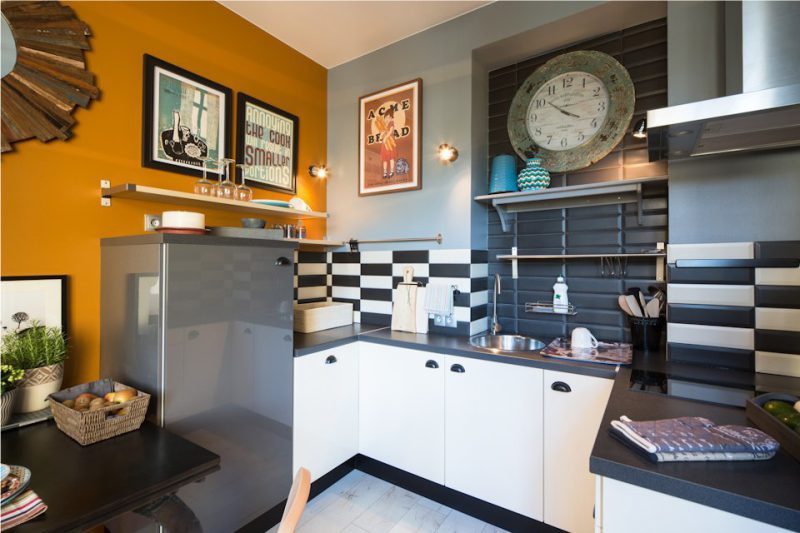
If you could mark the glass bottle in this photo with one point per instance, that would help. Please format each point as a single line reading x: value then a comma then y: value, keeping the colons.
x: 243, y: 192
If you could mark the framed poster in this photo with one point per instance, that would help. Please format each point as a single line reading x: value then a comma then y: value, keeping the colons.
x: 186, y: 119
x: 266, y: 143
x: 389, y: 137
x: 25, y: 299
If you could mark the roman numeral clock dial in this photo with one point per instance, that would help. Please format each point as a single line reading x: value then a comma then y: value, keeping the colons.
x: 572, y: 111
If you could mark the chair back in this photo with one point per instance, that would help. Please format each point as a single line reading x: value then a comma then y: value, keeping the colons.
x: 296, y: 502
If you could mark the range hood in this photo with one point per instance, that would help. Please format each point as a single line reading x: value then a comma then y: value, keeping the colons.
x: 766, y: 115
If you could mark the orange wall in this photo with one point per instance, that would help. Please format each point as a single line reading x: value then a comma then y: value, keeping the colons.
x: 52, y: 221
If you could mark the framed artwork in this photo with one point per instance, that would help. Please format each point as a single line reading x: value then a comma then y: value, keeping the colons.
x: 25, y: 299
x: 186, y: 118
x: 266, y: 143
x: 389, y: 137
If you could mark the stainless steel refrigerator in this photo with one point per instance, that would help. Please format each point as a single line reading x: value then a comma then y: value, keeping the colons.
x: 204, y: 324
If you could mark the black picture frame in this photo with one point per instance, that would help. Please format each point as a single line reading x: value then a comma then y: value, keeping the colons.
x: 64, y: 280
x: 242, y: 100
x: 150, y: 63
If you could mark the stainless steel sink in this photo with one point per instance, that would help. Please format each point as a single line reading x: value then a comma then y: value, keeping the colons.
x: 506, y: 343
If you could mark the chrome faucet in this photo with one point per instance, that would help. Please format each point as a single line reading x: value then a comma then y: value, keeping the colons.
x: 495, y: 324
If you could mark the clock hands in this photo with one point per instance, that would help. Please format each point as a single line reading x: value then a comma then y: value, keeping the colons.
x: 564, y: 110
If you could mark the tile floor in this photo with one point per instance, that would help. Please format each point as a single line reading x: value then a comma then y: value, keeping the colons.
x: 360, y: 503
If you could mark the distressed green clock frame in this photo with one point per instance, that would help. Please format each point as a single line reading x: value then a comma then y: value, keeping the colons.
x: 620, y: 110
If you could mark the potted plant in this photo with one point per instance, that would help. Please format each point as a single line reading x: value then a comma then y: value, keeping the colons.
x: 10, y: 377
x: 39, y: 351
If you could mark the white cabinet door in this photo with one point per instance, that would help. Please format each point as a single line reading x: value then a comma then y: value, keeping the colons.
x: 401, y: 408
x: 573, y: 409
x: 493, y: 433
x: 325, y: 409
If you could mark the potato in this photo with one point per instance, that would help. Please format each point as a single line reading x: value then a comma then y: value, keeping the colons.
x: 82, y: 402
x: 69, y: 403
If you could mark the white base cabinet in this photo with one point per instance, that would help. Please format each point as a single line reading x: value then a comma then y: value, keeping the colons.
x: 573, y: 410
x: 401, y: 409
x: 493, y: 433
x: 325, y: 409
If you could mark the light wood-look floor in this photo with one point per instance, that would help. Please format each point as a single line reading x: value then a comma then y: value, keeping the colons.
x: 360, y: 503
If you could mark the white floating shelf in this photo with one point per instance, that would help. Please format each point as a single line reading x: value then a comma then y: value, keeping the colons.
x: 316, y: 242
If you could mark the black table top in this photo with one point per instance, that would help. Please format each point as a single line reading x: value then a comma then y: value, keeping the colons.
x: 86, y: 485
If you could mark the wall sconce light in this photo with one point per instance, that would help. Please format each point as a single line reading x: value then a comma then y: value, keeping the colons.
x: 640, y: 129
x: 447, y: 153
x: 318, y: 171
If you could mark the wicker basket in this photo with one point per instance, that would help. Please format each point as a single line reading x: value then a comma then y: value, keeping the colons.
x: 88, y: 427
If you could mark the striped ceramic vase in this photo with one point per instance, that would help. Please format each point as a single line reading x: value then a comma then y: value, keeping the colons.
x: 533, y: 177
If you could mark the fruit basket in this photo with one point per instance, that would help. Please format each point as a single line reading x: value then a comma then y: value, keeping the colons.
x: 117, y: 409
x: 768, y: 422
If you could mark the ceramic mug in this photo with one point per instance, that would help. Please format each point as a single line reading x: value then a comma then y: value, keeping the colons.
x: 582, y: 338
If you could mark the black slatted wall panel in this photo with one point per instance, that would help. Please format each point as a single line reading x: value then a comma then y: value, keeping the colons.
x: 611, y: 229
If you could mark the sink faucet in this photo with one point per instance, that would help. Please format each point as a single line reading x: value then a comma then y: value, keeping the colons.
x: 495, y: 324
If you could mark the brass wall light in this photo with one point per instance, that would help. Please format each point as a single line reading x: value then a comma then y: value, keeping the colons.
x: 640, y: 129
x: 318, y: 171
x: 447, y: 153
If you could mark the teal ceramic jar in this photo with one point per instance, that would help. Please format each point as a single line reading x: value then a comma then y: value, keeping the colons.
x: 533, y: 177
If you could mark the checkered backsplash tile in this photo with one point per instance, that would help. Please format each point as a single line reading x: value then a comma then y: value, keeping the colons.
x: 368, y: 280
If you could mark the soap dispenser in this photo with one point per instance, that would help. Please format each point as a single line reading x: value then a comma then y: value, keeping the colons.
x: 560, y: 298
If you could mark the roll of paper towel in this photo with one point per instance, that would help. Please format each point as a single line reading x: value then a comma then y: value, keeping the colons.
x: 183, y: 219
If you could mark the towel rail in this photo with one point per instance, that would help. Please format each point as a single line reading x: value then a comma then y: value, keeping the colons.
x: 353, y: 243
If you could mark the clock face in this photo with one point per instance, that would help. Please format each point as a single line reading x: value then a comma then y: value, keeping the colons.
x: 567, y: 111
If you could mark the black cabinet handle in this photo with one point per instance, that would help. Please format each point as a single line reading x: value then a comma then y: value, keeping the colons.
x: 430, y: 363
x: 560, y: 386
x: 457, y: 369
x: 282, y: 261
x: 330, y: 360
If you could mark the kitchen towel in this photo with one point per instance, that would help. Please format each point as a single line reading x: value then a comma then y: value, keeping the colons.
x: 22, y: 509
x: 422, y: 316
x: 693, y: 439
x: 439, y: 299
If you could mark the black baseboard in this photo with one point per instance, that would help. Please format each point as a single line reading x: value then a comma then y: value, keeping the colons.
x: 497, y: 516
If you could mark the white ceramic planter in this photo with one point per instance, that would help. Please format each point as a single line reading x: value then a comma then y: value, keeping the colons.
x: 8, y: 405
x: 36, y: 385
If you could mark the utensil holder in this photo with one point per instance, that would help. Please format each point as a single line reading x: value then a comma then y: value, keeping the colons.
x: 646, y: 333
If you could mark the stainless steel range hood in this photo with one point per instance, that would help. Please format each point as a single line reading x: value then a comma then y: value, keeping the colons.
x: 765, y: 116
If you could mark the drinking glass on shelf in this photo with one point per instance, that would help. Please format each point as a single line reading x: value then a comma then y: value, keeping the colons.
x: 226, y: 188
x: 243, y: 192
x: 205, y: 186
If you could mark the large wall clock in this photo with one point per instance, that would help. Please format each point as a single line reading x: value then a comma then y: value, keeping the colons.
x: 572, y: 111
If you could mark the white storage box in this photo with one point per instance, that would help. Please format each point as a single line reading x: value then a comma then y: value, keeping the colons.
x: 318, y: 316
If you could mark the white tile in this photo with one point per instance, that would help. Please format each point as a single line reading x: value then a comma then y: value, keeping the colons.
x: 463, y: 284
x: 458, y: 522
x: 478, y: 298
x: 719, y: 250
x: 479, y: 270
x: 493, y: 529
x: 352, y: 528
x: 357, y: 316
x: 375, y: 306
x: 707, y: 294
x: 385, y: 513
x: 346, y: 269
x: 479, y: 326
x: 420, y: 269
x: 351, y: 293
x: 329, y: 280
x: 462, y: 314
x: 376, y: 282
x: 312, y: 269
x: 295, y: 282
x: 304, y: 293
x: 376, y: 257
x: 421, y: 518
x: 778, y: 276
x: 782, y: 364
x: 330, y: 495
x: 778, y: 319
x: 348, y: 506
x: 329, y: 257
x: 456, y: 256
x: 711, y: 336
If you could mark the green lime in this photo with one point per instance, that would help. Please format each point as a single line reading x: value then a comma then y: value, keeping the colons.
x: 778, y: 406
x: 793, y: 421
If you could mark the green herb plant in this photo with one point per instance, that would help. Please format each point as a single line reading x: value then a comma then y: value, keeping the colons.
x: 11, y: 376
x: 34, y: 347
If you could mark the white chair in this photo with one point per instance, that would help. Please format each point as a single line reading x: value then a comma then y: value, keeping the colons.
x: 296, y: 502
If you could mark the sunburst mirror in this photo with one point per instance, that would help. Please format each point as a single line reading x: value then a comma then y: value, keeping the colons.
x: 44, y: 71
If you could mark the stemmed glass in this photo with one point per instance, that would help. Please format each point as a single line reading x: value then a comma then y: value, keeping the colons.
x: 226, y: 188
x: 243, y: 192
x: 205, y: 186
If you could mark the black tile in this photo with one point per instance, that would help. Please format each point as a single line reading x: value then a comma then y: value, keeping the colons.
x: 312, y: 281
x: 478, y: 284
x: 712, y: 315
x: 330, y: 291
x: 376, y: 319
x: 356, y: 303
x: 376, y: 269
x: 461, y: 299
x: 711, y: 356
x: 310, y: 300
x: 448, y: 271
x: 479, y: 256
x: 383, y: 295
x: 476, y: 313
x: 776, y: 296
x: 312, y: 257
x: 722, y: 276
x: 346, y: 257
x: 398, y: 279
x: 346, y: 281
x: 329, y: 268
x: 778, y: 341
x: 461, y: 329
x: 410, y: 256
x: 777, y: 249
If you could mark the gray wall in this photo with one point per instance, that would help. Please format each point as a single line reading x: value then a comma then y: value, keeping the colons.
x: 452, y: 59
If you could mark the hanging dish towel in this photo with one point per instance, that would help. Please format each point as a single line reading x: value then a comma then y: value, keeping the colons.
x: 693, y: 439
x: 422, y: 315
x: 404, y: 310
x: 439, y: 299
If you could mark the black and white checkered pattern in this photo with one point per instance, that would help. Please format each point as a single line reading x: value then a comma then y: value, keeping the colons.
x: 368, y: 279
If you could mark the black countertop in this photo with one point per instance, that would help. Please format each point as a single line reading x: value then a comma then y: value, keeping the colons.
x: 767, y: 491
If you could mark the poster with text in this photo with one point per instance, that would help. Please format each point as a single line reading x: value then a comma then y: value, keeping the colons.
x: 389, y: 139
x: 266, y: 145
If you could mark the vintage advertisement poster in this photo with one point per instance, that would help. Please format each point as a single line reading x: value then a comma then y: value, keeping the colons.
x: 266, y: 145
x: 389, y: 139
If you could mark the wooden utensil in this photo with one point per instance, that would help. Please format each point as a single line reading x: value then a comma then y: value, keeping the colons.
x: 653, y: 308
x: 623, y: 304
x: 633, y: 304
x: 641, y: 300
